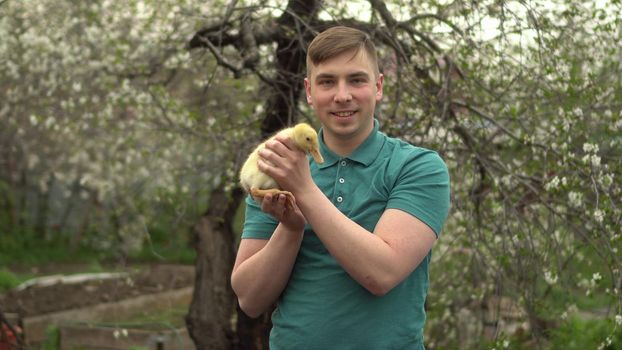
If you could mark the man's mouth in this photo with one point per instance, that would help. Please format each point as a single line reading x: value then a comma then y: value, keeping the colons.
x: 343, y: 114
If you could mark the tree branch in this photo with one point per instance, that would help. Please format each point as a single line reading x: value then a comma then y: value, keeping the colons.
x: 220, y: 59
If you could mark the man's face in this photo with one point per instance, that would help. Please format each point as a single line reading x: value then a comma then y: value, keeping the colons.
x: 343, y: 91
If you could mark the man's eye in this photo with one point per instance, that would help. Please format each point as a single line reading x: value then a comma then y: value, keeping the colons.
x: 325, y: 82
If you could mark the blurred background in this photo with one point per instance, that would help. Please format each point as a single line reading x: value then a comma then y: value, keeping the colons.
x: 123, y: 126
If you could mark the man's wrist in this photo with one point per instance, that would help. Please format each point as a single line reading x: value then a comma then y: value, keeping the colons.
x: 292, y: 227
x: 307, y: 197
x: 291, y: 231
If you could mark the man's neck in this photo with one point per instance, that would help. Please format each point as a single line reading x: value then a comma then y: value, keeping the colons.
x: 343, y: 147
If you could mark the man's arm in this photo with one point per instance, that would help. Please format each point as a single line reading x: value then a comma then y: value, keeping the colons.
x: 377, y: 261
x: 262, y: 267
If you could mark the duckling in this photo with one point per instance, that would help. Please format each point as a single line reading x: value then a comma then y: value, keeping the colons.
x: 257, y: 183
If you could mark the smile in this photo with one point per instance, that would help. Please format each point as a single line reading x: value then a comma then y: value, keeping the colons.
x: 343, y: 114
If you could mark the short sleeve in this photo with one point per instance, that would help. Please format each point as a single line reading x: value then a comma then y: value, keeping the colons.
x: 422, y: 189
x: 257, y: 224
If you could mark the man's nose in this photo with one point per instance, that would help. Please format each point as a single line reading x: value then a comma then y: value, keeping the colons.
x: 343, y: 93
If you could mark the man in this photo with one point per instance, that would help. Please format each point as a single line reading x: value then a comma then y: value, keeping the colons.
x: 348, y: 265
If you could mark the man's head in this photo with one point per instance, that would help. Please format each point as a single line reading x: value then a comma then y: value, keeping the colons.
x: 337, y: 40
x: 343, y: 86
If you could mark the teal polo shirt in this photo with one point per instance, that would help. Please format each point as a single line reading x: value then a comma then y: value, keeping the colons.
x: 322, y: 307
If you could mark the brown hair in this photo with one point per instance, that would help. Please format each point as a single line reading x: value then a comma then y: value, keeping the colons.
x: 337, y: 40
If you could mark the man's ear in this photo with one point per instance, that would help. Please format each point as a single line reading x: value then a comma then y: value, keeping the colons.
x: 308, y: 91
x: 379, y: 85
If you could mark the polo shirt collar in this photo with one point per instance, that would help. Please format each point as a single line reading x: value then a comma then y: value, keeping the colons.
x: 365, y: 153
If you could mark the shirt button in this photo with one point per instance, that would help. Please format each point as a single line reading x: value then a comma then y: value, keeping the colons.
x: 343, y: 163
x: 339, y: 199
x: 341, y: 180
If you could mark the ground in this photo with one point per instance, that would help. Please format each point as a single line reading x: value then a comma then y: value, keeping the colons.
x: 142, y: 280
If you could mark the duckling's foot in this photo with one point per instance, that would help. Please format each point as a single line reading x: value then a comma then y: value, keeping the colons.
x: 259, y: 194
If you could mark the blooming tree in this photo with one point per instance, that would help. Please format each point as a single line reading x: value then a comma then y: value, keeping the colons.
x: 107, y: 120
x: 521, y: 100
x: 526, y: 112
x: 110, y: 123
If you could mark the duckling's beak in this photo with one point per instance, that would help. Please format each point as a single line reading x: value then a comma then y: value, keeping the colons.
x: 317, y: 157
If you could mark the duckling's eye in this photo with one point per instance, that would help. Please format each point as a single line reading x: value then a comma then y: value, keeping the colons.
x: 308, y: 139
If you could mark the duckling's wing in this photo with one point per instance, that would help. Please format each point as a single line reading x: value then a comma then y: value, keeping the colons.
x: 252, y: 177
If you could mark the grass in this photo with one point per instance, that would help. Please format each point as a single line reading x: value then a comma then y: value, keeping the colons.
x: 578, y: 334
x: 170, y: 252
x: 52, y: 339
x: 171, y: 317
x: 30, y: 250
x: 25, y: 255
x: 9, y: 280
x: 27, y: 249
x: 573, y: 334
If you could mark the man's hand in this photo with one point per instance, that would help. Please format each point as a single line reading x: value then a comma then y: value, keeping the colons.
x: 288, y: 215
x: 286, y: 164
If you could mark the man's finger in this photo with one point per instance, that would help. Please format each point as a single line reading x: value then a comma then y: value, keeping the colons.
x: 288, y: 142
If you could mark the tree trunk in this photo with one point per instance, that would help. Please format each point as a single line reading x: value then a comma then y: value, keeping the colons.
x: 71, y: 203
x: 290, y: 63
x: 213, y: 302
x: 23, y: 199
x: 253, y: 333
x: 43, y: 207
x: 281, y: 110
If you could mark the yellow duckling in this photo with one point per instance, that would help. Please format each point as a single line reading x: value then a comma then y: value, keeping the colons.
x: 258, y: 184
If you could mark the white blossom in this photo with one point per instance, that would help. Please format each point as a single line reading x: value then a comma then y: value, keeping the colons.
x: 575, y: 199
x: 608, y: 113
x: 549, y: 277
x: 596, y: 277
x: 590, y: 147
x: 595, y: 160
x: 591, y: 159
x: 33, y: 160
x: 553, y: 184
x: 498, y: 239
x: 599, y: 215
x: 49, y: 122
x: 506, y: 180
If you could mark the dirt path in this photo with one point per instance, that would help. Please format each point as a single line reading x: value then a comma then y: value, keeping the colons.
x: 150, y: 279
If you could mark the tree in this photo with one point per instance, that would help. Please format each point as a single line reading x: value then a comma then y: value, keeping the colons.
x: 490, y: 106
x: 103, y: 108
x: 119, y: 118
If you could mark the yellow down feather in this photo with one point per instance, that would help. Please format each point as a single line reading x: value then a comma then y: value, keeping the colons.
x: 257, y: 183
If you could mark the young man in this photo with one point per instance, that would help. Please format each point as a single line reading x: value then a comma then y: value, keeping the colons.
x: 348, y: 265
